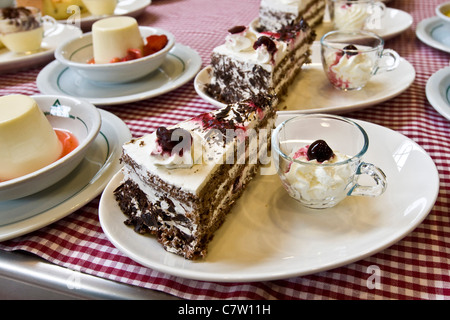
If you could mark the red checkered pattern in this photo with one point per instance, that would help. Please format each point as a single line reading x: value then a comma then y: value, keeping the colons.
x: 417, y: 267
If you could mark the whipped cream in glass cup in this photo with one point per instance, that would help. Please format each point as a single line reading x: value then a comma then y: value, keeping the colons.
x: 350, y: 59
x: 22, y: 29
x: 324, y: 184
x: 354, y: 15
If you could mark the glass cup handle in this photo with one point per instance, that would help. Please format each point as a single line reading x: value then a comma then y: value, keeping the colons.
x: 376, y: 174
x: 376, y: 11
x: 49, y: 24
x: 388, y: 53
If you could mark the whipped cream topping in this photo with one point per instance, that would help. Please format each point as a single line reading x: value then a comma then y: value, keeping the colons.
x: 17, y: 19
x: 236, y: 46
x: 185, y: 154
x: 350, y: 16
x: 349, y: 71
x: 240, y: 41
x: 312, y: 181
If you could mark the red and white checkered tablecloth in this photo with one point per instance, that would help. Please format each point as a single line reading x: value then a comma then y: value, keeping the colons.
x: 417, y: 267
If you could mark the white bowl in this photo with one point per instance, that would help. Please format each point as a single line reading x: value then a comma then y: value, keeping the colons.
x: 80, y: 118
x: 441, y: 10
x: 76, y: 53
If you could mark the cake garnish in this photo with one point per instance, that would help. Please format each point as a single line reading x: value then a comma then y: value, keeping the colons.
x: 237, y: 29
x: 267, y: 42
x: 239, y: 39
x: 176, y: 148
x: 170, y: 139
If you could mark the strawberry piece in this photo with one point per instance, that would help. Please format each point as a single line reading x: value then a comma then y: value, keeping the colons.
x: 155, y: 43
x: 114, y: 60
x: 133, y: 54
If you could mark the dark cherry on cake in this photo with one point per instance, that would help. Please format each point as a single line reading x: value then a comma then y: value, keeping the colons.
x: 266, y: 41
x: 167, y: 140
x: 320, y: 151
x: 237, y: 29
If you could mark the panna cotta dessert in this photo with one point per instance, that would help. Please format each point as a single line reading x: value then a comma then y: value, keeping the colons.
x: 114, y: 37
x: 21, y: 29
x: 100, y: 7
x: 313, y: 177
x: 348, y: 69
x: 27, y: 140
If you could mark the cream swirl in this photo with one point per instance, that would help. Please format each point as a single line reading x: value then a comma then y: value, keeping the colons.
x: 350, y: 16
x: 241, y: 41
x: 350, y: 71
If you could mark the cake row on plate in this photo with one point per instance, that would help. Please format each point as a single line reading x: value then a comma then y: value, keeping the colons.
x: 180, y: 182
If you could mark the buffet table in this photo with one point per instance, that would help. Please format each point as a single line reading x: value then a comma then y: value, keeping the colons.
x: 72, y: 245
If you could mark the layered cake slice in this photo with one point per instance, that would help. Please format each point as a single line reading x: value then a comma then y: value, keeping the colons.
x: 252, y: 63
x: 181, y: 182
x: 276, y: 14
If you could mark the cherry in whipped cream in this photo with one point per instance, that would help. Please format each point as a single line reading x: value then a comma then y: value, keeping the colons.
x: 320, y: 151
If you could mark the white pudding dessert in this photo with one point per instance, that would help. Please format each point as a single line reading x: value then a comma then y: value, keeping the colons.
x: 101, y: 7
x: 113, y: 37
x: 27, y: 140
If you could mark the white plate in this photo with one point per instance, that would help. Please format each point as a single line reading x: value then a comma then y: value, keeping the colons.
x: 87, y: 181
x: 270, y: 236
x: 311, y: 91
x: 10, y: 61
x: 435, y: 33
x: 393, y: 23
x: 131, y: 8
x: 181, y: 65
x: 438, y: 91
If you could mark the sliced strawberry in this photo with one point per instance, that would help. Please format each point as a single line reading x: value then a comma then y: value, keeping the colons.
x: 114, y: 60
x: 133, y: 54
x: 155, y: 43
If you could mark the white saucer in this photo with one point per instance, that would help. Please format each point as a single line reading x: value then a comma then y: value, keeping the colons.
x: 438, y: 91
x: 435, y: 33
x: 131, y: 8
x: 311, y: 91
x: 10, y: 61
x: 269, y: 236
x: 181, y: 65
x: 393, y: 23
x: 87, y: 181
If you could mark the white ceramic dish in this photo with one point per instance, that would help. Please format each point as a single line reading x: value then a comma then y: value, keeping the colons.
x: 435, y: 33
x: 393, y: 23
x: 438, y: 91
x: 87, y: 181
x: 76, y: 53
x: 320, y: 96
x: 10, y: 61
x: 132, y: 8
x: 441, y: 11
x: 270, y: 236
x: 181, y: 65
x: 80, y: 118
